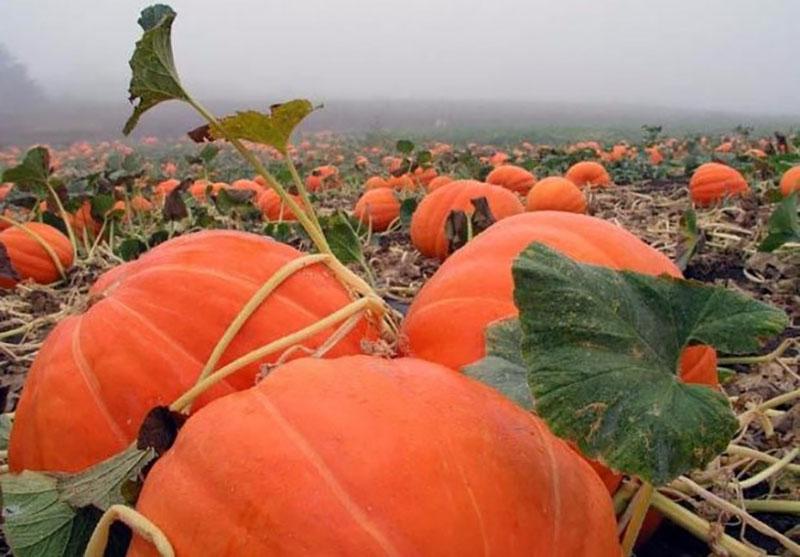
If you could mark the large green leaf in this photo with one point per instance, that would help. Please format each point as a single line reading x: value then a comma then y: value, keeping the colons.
x: 783, y: 226
x: 342, y: 237
x: 603, y: 348
x: 155, y: 78
x: 273, y: 129
x: 52, y: 514
x: 503, y: 367
x: 33, y: 172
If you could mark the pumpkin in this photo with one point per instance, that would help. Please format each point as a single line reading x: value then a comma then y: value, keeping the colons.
x: 365, y: 456
x: 165, y: 188
x: 375, y: 182
x: 514, y: 178
x: 140, y: 204
x: 27, y: 256
x: 404, y: 182
x: 474, y: 287
x: 378, y: 208
x: 146, y: 337
x: 428, y: 223
x: 273, y: 208
x: 322, y: 177
x: 713, y: 181
x: 247, y: 185
x: 656, y: 157
x: 438, y: 182
x: 423, y: 176
x: 556, y: 194
x: 790, y: 181
x: 588, y: 173
x: 83, y: 221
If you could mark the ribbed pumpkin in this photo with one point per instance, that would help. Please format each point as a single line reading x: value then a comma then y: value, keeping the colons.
x: 790, y: 181
x: 364, y: 456
x: 29, y: 259
x: 713, y: 181
x: 148, y: 334
x: 438, y: 182
x: 474, y: 287
x: 428, y: 223
x: 273, y: 208
x: 588, y: 173
x: 378, y: 207
x: 375, y: 182
x: 200, y: 187
x: 514, y: 178
x: 556, y: 194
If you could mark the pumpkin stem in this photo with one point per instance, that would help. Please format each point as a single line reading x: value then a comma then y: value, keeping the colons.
x: 301, y: 189
x: 136, y: 521
x: 39, y: 240
x: 367, y: 304
x: 65, y: 217
x: 777, y: 353
x: 638, y: 510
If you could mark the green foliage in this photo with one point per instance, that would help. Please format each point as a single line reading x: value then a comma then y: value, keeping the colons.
x: 32, y: 173
x: 273, y: 129
x: 783, y: 226
x: 342, y: 237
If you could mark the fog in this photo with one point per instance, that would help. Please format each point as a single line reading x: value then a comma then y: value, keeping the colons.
x: 733, y: 56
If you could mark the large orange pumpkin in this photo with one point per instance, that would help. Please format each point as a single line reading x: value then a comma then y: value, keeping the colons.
x: 365, y: 456
x: 428, y: 223
x: 713, y: 181
x: 148, y: 334
x: 790, y: 181
x: 378, y: 208
x: 273, y: 208
x: 556, y: 194
x: 29, y: 259
x: 589, y: 174
x: 474, y: 287
x: 514, y: 178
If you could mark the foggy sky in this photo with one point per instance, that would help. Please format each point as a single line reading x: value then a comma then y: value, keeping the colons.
x: 737, y: 55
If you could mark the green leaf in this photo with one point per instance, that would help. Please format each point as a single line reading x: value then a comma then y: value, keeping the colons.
x: 208, y: 153
x: 131, y: 248
x: 6, y: 422
x: 155, y: 78
x: 273, y: 129
x: 51, y: 514
x: 407, y: 208
x: 101, y: 205
x: 503, y: 367
x: 405, y: 146
x: 692, y: 239
x: 342, y: 237
x: 783, y: 225
x: 603, y: 350
x: 32, y: 172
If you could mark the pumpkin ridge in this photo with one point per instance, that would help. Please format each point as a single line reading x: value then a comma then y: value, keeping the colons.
x: 92, y: 383
x: 326, y: 474
x: 555, y: 475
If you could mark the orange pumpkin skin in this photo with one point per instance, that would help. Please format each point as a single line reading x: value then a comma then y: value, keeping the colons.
x: 712, y: 182
x: 378, y: 207
x: 588, y: 173
x: 423, y: 176
x: 273, y: 208
x: 790, y: 181
x: 438, y: 182
x: 30, y: 259
x: 556, y: 194
x: 374, y: 183
x: 100, y: 372
x: 247, y: 185
x: 365, y: 456
x: 403, y: 182
x: 200, y: 187
x: 454, y: 301
x: 84, y: 221
x: 164, y: 188
x: 141, y: 205
x: 514, y: 178
x: 428, y: 223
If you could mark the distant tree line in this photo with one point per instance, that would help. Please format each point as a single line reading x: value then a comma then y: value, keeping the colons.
x: 17, y: 89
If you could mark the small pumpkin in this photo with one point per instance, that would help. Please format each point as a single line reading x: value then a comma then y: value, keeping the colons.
x: 438, y: 182
x: 322, y: 177
x: 247, y: 185
x: 588, y: 174
x: 378, y: 208
x: 404, y: 182
x: 98, y: 373
x: 27, y: 256
x: 365, y: 456
x: 712, y: 182
x: 556, y: 194
x: 514, y: 178
x: 165, y: 187
x: 83, y: 221
x: 375, y: 182
x: 273, y: 208
x: 428, y: 232
x: 790, y: 181
x: 423, y: 176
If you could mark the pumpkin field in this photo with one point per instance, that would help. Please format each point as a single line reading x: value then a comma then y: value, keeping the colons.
x: 259, y: 340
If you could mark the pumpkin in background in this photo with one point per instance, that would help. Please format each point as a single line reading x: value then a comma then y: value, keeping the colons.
x: 438, y: 182
x: 367, y: 456
x: 404, y: 182
x: 423, y: 176
x: 144, y: 340
x: 141, y: 205
x: 474, y: 286
x: 378, y: 208
x: 165, y: 187
x: 199, y: 188
x: 375, y: 182
x: 428, y: 223
x: 556, y: 194
x: 588, y: 174
x: 247, y: 185
x: 322, y: 177
x: 514, y: 178
x: 29, y: 259
x: 273, y: 208
x: 83, y: 221
x: 713, y: 181
x: 790, y: 181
